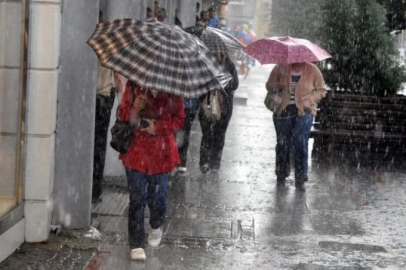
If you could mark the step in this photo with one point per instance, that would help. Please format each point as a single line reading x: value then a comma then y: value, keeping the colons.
x: 240, y: 97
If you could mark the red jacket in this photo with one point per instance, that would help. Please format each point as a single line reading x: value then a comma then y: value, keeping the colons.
x: 153, y: 154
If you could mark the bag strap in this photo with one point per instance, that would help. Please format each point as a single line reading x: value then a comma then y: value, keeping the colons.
x: 132, y: 97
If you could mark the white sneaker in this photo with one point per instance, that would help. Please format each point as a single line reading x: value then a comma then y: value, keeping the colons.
x: 155, y: 237
x: 178, y: 171
x: 138, y: 254
x: 181, y: 170
x: 205, y: 169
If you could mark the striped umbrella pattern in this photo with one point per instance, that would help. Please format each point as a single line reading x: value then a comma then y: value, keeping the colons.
x: 158, y: 56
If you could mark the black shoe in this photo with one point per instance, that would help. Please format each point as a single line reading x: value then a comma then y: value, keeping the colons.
x: 96, y: 200
x: 280, y: 180
x: 300, y: 186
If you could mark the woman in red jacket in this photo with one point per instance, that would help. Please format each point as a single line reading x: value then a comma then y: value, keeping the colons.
x: 152, y: 155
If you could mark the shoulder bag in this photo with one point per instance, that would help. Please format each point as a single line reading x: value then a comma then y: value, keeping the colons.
x: 211, y: 106
x: 272, y: 100
x: 122, y: 133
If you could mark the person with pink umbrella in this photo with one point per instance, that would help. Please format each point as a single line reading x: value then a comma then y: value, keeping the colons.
x: 295, y: 86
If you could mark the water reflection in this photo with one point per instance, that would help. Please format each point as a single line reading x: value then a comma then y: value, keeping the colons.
x: 152, y: 263
x: 290, y: 210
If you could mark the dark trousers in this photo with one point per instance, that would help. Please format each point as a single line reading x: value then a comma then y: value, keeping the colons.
x: 143, y: 189
x: 292, y: 133
x: 185, y: 133
x: 103, y: 112
x: 214, y: 136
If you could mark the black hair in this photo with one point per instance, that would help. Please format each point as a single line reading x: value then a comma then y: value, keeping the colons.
x: 101, y: 17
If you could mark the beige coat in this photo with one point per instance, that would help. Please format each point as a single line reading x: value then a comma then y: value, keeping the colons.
x: 309, y: 90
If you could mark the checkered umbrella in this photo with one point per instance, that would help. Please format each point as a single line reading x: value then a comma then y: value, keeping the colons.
x: 158, y: 56
x: 219, y: 41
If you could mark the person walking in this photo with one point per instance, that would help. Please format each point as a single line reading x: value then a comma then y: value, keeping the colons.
x: 108, y: 84
x: 150, y: 14
x: 197, y: 12
x: 295, y: 90
x: 213, y: 20
x: 214, y: 132
x: 156, y: 8
x: 177, y: 21
x: 204, y: 18
x: 153, y: 154
x: 161, y: 15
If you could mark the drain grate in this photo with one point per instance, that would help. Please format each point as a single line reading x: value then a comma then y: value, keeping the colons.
x: 338, y: 246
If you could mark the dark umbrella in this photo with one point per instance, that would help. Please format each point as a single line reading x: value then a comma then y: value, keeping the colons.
x: 219, y: 41
x: 158, y: 56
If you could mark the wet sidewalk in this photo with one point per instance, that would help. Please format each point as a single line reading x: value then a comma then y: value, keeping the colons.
x: 349, y: 218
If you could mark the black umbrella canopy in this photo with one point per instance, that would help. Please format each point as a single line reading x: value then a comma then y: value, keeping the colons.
x: 219, y: 41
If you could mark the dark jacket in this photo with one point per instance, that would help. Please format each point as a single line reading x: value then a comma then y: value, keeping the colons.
x: 228, y: 92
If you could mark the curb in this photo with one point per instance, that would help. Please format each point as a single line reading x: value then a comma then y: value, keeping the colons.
x: 98, y: 259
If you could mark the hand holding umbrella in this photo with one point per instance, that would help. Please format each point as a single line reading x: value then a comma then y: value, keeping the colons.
x: 140, y: 102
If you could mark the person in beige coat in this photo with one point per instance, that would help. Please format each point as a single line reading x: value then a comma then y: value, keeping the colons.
x: 293, y: 93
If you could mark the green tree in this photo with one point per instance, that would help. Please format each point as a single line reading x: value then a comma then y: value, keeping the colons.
x: 363, y: 53
x: 396, y: 14
x: 301, y: 17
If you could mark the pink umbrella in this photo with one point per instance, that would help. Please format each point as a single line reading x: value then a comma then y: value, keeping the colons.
x: 285, y: 50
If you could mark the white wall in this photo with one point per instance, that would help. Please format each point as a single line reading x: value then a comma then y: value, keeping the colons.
x: 45, y: 29
x: 187, y: 10
x: 118, y: 9
x: 75, y: 115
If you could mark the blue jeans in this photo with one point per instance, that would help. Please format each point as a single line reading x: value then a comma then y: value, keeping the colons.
x: 143, y: 189
x: 292, y: 133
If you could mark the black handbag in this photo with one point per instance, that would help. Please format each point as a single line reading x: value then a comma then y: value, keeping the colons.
x: 122, y: 133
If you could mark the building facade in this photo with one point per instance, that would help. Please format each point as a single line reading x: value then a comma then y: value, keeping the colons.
x: 47, y: 103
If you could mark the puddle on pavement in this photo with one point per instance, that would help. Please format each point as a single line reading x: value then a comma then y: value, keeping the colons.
x: 345, y: 247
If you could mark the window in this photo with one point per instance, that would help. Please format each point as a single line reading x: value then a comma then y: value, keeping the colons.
x: 11, y: 104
